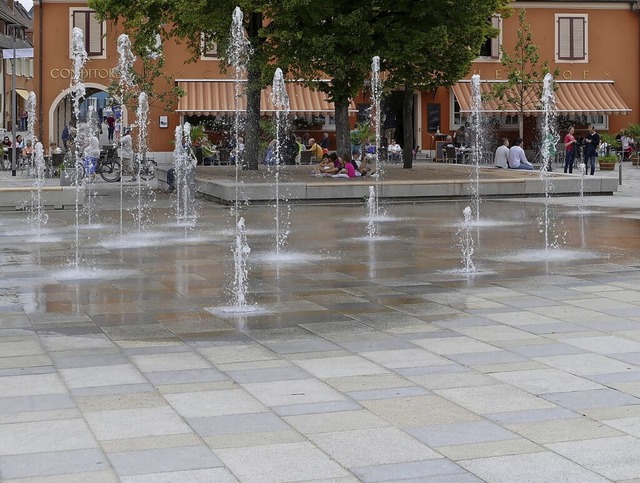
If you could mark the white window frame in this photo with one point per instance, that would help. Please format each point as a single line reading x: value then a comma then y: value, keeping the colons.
x: 585, y: 18
x: 496, y: 42
x: 509, y: 122
x: 600, y: 121
x: 457, y: 119
x: 103, y: 43
x: 211, y: 54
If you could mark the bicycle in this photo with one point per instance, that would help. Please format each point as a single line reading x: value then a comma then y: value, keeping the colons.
x: 146, y: 169
x: 108, y: 166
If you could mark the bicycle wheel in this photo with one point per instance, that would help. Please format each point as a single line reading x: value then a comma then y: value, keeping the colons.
x: 81, y: 172
x: 110, y: 171
x: 146, y: 172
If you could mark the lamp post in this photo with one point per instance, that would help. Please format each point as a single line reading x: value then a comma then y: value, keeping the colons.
x: 14, y: 112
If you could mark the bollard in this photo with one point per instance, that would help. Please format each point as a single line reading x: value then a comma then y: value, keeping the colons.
x: 620, y: 171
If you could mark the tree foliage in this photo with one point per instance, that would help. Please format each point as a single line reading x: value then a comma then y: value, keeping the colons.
x: 426, y: 45
x: 421, y: 44
x: 524, y: 72
x: 313, y: 40
x: 188, y: 22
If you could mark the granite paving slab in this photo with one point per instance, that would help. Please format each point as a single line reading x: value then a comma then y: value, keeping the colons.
x: 365, y: 359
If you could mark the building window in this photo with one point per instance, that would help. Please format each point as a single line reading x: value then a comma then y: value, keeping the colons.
x: 599, y: 121
x: 509, y: 121
x: 571, y: 38
x: 457, y: 118
x: 490, y: 49
x: 208, y: 48
x: 93, y: 30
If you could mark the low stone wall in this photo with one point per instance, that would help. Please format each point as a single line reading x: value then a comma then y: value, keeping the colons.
x: 53, y: 197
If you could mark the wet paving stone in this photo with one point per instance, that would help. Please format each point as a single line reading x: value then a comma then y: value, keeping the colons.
x: 371, y: 359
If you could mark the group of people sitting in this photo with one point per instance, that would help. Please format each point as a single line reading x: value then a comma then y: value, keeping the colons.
x: 512, y: 157
x: 24, y: 149
x: 348, y: 166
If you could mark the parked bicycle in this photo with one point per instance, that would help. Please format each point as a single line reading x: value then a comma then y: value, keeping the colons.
x: 108, y: 166
x: 146, y: 169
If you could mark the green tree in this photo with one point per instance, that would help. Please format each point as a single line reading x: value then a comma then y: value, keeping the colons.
x: 188, y: 21
x: 426, y: 45
x: 314, y: 40
x: 422, y: 45
x: 524, y: 73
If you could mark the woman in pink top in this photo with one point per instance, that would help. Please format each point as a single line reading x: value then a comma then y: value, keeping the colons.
x: 569, y: 150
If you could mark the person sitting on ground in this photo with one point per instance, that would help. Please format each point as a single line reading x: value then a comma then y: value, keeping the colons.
x: 350, y: 167
x: 6, y: 142
x: 324, y: 166
x: 337, y: 164
x: 19, y: 141
x: 360, y: 162
x: 394, y: 151
x: 501, y: 158
x: 517, y: 158
x: 315, y: 148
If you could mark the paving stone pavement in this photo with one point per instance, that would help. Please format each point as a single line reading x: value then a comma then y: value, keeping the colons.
x: 364, y: 360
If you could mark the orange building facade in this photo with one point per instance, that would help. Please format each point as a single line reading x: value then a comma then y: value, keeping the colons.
x: 594, y: 45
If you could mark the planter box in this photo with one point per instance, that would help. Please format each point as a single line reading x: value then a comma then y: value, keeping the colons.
x: 607, y: 165
x: 69, y: 177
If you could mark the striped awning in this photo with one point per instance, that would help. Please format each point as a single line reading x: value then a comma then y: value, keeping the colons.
x: 572, y: 97
x: 212, y: 97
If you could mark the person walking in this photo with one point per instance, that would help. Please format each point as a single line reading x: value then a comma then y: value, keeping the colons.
x: 111, y: 127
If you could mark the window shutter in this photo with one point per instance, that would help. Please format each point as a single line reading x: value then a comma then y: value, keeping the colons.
x: 95, y: 35
x: 495, y: 42
x: 578, y: 38
x: 564, y: 38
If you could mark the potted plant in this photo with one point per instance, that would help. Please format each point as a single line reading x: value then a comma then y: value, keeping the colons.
x: 608, y: 147
x: 359, y: 134
x: 607, y: 162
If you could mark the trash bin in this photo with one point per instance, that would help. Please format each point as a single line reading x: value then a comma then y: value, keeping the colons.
x: 57, y: 159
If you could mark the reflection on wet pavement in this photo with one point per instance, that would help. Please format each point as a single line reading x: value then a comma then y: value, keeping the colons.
x: 365, y: 359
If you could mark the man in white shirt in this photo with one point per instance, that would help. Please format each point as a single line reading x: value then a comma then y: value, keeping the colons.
x: 126, y: 154
x: 394, y: 151
x: 517, y: 159
x: 501, y: 158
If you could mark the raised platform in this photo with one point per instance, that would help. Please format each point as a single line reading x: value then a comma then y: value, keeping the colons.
x: 423, y: 182
x: 14, y: 197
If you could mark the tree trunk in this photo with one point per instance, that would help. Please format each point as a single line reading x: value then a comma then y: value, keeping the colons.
x: 254, y: 88
x: 343, y: 144
x: 252, y: 126
x: 407, y: 123
x: 521, y: 123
